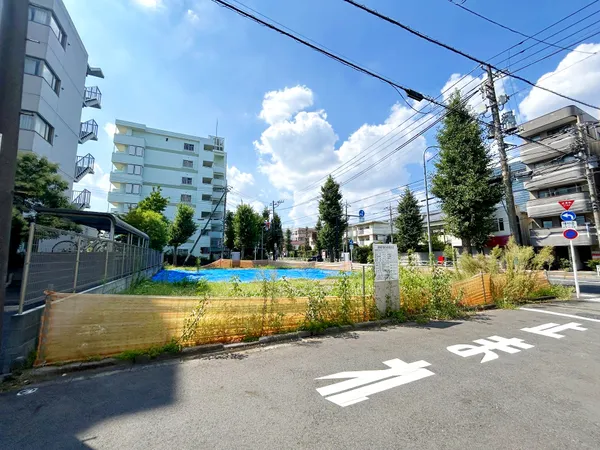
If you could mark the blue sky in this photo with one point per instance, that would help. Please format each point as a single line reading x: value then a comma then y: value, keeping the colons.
x: 289, y: 115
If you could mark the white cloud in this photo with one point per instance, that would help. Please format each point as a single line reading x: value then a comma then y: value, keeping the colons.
x: 150, y: 4
x: 281, y: 105
x: 239, y: 180
x: 468, y: 83
x: 297, y: 151
x: 577, y: 75
x: 110, y: 129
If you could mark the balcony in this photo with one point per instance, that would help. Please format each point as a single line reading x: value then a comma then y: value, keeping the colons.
x: 573, y: 173
x: 126, y: 139
x: 81, y: 199
x: 92, y: 97
x: 548, y: 206
x: 218, y: 169
x: 121, y: 176
x: 121, y: 197
x: 88, y: 131
x: 83, y: 166
x: 536, y: 152
x: 553, y: 237
x: 218, y: 143
x: 125, y: 158
x: 218, y: 182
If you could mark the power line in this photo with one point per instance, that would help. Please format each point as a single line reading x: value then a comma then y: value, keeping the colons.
x: 460, y: 52
x: 513, y: 30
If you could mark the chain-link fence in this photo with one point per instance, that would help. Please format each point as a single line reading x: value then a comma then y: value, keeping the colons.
x: 65, y: 261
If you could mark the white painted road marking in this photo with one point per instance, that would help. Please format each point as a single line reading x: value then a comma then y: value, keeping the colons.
x: 560, y: 314
x: 399, y: 373
x: 26, y: 392
x: 495, y: 343
x: 552, y: 329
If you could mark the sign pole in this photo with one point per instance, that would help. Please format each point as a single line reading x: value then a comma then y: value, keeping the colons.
x: 574, y: 267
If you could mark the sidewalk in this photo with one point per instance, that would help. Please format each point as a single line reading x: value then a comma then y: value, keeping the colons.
x: 587, y: 275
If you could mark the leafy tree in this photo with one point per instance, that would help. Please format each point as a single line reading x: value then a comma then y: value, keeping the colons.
x: 288, y: 241
x: 247, y: 228
x: 37, y: 183
x: 152, y: 223
x: 182, y: 228
x: 332, y: 217
x: 154, y: 202
x: 409, y: 222
x: 275, y: 235
x: 229, y: 230
x: 318, y: 229
x: 463, y: 178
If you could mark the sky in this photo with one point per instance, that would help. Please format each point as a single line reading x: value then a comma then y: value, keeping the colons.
x: 290, y: 116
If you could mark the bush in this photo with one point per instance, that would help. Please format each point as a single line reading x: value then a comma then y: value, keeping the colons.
x: 593, y: 263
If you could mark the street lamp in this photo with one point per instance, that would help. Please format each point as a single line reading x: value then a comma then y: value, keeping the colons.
x: 427, y: 199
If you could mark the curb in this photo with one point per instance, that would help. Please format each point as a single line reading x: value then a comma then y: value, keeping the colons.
x: 42, y: 373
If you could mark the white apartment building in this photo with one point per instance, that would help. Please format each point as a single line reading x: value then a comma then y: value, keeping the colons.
x: 371, y: 232
x: 188, y: 169
x: 301, y: 235
x: 54, y: 93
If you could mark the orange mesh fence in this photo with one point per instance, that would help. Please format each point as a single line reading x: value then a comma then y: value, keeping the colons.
x: 83, y: 326
x: 475, y: 291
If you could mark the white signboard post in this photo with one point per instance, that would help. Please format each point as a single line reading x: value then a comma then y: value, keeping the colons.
x: 387, y: 287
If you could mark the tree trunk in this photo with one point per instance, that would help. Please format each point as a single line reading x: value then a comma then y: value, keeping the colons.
x: 331, y: 256
x: 467, y: 245
x: 175, y: 255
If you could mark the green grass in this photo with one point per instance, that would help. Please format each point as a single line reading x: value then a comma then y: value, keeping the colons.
x: 172, y: 348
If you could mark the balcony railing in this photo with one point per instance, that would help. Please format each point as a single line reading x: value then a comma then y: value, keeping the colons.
x: 88, y: 131
x: 92, y: 97
x: 542, y: 151
x: 573, y: 172
x: 81, y: 199
x: 83, y: 166
x: 549, y: 206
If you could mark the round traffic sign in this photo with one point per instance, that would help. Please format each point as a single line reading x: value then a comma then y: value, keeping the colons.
x: 570, y: 233
x: 350, y: 241
x: 568, y: 216
x: 361, y: 213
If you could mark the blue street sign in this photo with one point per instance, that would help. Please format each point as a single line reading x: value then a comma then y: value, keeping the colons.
x: 361, y: 213
x: 351, y: 242
x: 570, y: 233
x: 568, y: 216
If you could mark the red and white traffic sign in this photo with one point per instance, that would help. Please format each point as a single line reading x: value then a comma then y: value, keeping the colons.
x: 566, y: 203
x: 570, y: 234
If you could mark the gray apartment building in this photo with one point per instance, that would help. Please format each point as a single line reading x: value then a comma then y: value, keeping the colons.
x: 54, y: 93
x: 557, y: 172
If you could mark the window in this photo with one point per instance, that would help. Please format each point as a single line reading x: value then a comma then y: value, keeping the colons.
x: 552, y: 192
x: 186, y: 198
x: 206, y: 197
x: 40, y: 68
x: 188, y: 163
x: 205, y: 214
x: 546, y: 224
x: 136, y: 151
x: 189, y: 147
x: 580, y: 220
x: 186, y: 180
x: 130, y: 206
x: 134, y: 169
x: 499, y: 223
x: 206, y: 180
x: 132, y: 188
x: 32, y: 121
x: 45, y: 17
x: 207, y: 163
x: 208, y: 148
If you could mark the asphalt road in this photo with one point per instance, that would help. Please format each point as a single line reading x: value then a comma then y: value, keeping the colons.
x: 589, y: 286
x: 540, y: 397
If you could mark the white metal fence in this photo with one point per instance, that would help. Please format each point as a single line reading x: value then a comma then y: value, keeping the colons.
x: 65, y: 261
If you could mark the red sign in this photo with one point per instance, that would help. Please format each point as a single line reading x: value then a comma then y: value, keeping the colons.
x: 570, y: 233
x: 566, y: 203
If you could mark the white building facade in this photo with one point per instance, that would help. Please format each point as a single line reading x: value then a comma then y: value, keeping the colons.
x: 54, y: 93
x: 300, y: 236
x: 371, y: 232
x: 188, y: 169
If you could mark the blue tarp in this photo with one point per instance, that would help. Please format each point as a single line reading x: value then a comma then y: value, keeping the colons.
x: 245, y: 275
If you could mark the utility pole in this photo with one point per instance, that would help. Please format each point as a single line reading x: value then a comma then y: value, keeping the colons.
x: 224, y: 214
x: 346, y: 232
x: 589, y: 173
x: 391, y: 223
x: 13, y: 36
x: 506, y: 178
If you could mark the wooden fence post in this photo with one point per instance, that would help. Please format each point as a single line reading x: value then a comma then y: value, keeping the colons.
x: 483, y: 287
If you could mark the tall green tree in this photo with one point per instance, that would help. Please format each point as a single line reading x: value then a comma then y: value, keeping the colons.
x: 149, y: 217
x: 37, y: 183
x: 318, y: 228
x: 275, y: 235
x: 229, y: 230
x: 155, y: 201
x: 288, y: 241
x: 247, y: 228
x: 463, y: 181
x: 332, y: 217
x: 409, y: 223
x: 182, y: 228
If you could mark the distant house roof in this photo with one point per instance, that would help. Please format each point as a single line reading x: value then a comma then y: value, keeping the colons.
x: 99, y: 220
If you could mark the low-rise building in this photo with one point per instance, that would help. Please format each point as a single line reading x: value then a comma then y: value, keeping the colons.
x: 556, y: 164
x: 302, y: 236
x: 370, y: 232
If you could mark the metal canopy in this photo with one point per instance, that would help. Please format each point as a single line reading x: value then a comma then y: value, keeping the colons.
x: 98, y: 220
